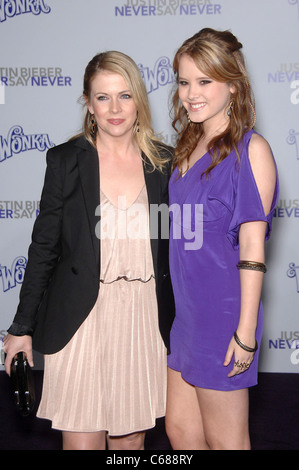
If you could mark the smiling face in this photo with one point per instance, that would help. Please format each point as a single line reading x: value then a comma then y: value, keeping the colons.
x: 206, y: 100
x: 112, y: 104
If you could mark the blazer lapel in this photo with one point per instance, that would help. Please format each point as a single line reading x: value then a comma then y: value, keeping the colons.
x: 88, y: 164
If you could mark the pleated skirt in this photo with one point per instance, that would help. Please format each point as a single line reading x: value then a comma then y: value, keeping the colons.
x: 111, y: 376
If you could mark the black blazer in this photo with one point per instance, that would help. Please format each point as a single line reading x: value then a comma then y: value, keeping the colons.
x: 61, y: 281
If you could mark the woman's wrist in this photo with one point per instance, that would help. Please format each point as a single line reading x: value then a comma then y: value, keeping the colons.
x: 251, y: 346
x: 247, y: 333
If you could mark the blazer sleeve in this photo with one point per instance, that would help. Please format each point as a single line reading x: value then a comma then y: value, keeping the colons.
x: 44, y: 250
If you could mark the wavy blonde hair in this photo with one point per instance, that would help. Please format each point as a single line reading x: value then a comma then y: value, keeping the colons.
x: 218, y: 55
x: 122, y: 64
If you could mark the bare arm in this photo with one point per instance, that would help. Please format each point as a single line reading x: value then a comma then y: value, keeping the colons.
x: 251, y: 242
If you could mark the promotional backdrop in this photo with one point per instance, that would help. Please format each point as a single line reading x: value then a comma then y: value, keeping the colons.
x: 45, y: 46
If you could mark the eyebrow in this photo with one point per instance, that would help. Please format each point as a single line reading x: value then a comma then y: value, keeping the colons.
x: 107, y: 94
x: 197, y: 78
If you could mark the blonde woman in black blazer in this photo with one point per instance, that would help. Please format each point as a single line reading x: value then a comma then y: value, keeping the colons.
x: 66, y: 305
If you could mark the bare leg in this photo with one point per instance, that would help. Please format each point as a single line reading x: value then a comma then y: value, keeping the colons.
x: 183, y: 419
x: 134, y: 441
x: 84, y: 440
x: 225, y: 418
x: 198, y: 419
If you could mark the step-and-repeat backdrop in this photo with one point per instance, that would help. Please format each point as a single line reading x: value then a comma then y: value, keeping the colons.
x: 44, y: 48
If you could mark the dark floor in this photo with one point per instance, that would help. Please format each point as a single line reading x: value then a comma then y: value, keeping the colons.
x: 274, y: 418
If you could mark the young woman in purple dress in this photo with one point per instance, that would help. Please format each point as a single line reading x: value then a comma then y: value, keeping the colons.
x: 223, y: 166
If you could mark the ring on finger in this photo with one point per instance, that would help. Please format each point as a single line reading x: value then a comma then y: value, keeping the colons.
x: 242, y: 365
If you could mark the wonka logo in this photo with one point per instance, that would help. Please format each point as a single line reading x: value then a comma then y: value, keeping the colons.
x: 161, y: 75
x: 17, y: 142
x: 14, y: 275
x: 11, y: 8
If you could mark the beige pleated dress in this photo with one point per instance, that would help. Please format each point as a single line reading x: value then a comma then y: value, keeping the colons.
x: 111, y: 376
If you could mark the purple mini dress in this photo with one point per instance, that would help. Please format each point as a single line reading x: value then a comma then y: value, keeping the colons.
x: 205, y: 278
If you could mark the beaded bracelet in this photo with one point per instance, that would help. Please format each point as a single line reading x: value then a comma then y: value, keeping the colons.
x: 252, y: 265
x: 243, y: 346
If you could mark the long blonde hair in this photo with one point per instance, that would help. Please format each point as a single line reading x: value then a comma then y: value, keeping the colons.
x: 120, y: 63
x: 217, y: 54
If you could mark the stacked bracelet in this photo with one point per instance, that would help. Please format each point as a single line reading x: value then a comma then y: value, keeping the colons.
x: 243, y: 346
x: 252, y: 265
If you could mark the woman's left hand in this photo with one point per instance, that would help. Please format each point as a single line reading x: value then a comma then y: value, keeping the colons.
x: 14, y: 344
x: 242, y: 358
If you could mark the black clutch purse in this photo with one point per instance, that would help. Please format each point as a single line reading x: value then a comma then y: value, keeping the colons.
x: 22, y: 383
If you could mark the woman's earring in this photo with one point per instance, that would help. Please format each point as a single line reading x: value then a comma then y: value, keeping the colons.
x: 188, y: 117
x: 93, y: 123
x: 229, y: 111
x: 136, y: 126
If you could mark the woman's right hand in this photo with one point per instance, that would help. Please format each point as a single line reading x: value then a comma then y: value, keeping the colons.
x: 14, y: 344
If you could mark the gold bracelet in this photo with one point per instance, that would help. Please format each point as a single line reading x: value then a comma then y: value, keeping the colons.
x: 252, y: 265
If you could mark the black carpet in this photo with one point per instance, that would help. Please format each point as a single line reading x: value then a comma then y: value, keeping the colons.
x: 274, y: 418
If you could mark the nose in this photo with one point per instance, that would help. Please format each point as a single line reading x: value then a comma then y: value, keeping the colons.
x: 115, y: 106
x: 193, y: 91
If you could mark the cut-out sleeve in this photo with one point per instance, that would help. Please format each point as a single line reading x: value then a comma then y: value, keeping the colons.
x: 247, y: 203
